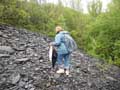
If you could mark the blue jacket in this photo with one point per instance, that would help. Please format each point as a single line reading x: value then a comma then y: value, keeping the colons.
x: 59, y: 43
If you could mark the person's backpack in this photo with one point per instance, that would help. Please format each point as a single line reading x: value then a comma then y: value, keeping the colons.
x: 70, y: 43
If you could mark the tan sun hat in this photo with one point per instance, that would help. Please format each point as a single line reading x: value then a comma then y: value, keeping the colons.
x: 58, y: 29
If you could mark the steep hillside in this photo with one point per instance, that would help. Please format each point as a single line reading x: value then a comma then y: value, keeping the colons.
x: 24, y: 65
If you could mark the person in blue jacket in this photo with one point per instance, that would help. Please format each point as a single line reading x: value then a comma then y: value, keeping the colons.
x: 63, y: 54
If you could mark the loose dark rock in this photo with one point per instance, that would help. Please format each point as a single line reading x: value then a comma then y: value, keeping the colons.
x: 6, y: 49
x: 22, y: 60
x: 24, y: 65
x: 1, y: 33
x: 4, y: 56
x: 22, y: 83
x: 15, y: 78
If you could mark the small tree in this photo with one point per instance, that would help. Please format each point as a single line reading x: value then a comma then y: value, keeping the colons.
x: 95, y: 8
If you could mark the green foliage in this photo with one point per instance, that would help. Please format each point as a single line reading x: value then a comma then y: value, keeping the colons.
x: 103, y: 36
x: 95, y: 8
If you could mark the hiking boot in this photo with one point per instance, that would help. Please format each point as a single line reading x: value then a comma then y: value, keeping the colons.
x: 60, y: 71
x: 67, y: 72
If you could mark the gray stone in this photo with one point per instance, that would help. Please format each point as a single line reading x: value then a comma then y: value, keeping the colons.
x: 22, y: 59
x: 48, y: 84
x: 56, y: 75
x: 36, y: 69
x: 21, y: 83
x: 1, y: 68
x: 30, y: 85
x: 26, y: 86
x: 110, y: 78
x: 5, y: 36
x: 21, y: 89
x: 25, y: 79
x: 7, y: 49
x: 41, y: 61
x: 19, y: 48
x: 32, y: 88
x: 1, y: 33
x: 4, y: 56
x: 15, y: 78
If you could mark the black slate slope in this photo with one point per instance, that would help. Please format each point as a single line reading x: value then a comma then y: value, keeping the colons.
x: 24, y: 65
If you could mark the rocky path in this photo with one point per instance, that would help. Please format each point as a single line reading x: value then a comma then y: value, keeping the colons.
x: 24, y: 65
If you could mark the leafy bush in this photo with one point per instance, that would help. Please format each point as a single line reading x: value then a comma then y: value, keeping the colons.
x: 103, y: 37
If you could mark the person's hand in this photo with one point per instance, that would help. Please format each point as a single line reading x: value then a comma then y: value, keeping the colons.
x: 51, y: 44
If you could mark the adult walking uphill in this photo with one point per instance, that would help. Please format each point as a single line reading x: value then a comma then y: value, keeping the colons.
x: 65, y: 46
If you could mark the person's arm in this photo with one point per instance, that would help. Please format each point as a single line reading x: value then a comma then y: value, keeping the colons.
x: 57, y: 41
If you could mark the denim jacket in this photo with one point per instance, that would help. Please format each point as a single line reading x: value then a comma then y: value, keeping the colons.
x: 59, y: 43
